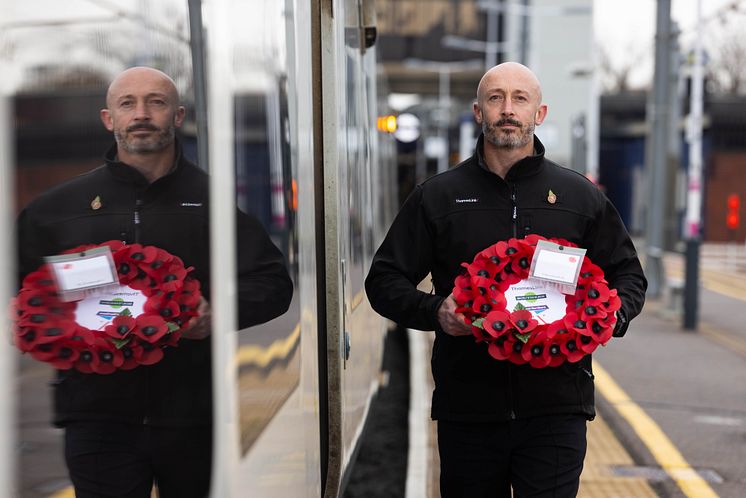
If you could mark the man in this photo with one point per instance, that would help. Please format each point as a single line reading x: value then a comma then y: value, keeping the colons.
x: 501, y: 425
x: 125, y: 430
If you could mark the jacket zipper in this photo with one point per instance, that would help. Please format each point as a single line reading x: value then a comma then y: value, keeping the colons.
x: 515, y: 235
x: 136, y: 218
x: 515, y: 210
x: 136, y: 221
x: 510, y: 392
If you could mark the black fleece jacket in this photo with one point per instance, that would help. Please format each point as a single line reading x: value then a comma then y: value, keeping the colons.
x: 452, y: 216
x: 171, y: 213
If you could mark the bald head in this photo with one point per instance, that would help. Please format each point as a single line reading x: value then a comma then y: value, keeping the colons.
x: 142, y: 76
x: 511, y: 72
x: 508, y: 107
x: 143, y: 112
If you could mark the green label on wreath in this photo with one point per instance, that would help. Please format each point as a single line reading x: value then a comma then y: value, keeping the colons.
x: 547, y: 304
x: 97, y: 311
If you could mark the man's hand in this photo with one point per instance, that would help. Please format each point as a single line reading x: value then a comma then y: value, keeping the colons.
x: 200, y: 326
x: 451, y: 322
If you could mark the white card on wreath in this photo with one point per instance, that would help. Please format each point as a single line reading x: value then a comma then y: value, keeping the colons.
x: 557, y: 264
x: 78, y: 273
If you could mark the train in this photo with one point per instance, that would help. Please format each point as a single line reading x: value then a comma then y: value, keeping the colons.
x: 283, y: 102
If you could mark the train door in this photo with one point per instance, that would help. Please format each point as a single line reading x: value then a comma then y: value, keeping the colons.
x: 57, y: 59
x: 353, y: 330
x: 242, y: 69
x: 8, y: 362
x: 259, y: 116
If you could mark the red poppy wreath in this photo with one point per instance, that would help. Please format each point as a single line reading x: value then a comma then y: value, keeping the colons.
x: 503, y: 317
x: 162, y: 294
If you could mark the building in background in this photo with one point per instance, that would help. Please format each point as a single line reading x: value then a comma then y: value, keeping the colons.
x: 435, y: 51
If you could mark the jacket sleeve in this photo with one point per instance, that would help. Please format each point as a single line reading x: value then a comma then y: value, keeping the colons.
x: 264, y: 286
x: 29, y: 245
x: 404, y: 258
x: 611, y: 248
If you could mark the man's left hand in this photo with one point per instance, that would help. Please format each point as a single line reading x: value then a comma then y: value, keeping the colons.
x: 200, y: 327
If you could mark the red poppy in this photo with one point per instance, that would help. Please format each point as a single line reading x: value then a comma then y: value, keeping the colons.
x: 573, y: 322
x: 131, y: 354
x: 83, y: 363
x: 150, y: 354
x: 590, y: 273
x: 172, y: 339
x: 535, y: 351
x: 106, y: 357
x: 502, y: 347
x: 497, y: 323
x: 161, y: 305
x: 553, y: 349
x: 597, y: 293
x: 150, y: 328
x: 524, y: 321
x: 40, y: 279
x: 61, y: 354
x: 127, y: 271
x: 570, y: 348
x: 141, y: 255
x: 120, y: 327
x: 490, y: 254
x: 462, y: 295
x: 587, y: 344
x: 590, y: 311
x: 172, y: 279
x: 481, y: 267
x: 516, y: 352
x: 614, y: 303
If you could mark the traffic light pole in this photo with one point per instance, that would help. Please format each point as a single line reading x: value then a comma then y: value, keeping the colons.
x: 693, y: 219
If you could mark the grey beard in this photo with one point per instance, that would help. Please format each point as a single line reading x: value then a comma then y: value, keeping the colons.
x: 165, y: 138
x: 516, y: 140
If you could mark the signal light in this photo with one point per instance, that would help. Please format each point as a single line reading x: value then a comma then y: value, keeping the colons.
x: 387, y: 124
x: 733, y: 216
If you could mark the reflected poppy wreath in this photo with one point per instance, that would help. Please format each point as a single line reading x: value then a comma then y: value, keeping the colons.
x: 517, y: 335
x: 46, y: 327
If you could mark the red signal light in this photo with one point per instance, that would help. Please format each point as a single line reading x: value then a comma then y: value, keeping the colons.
x: 734, y: 201
x: 733, y: 217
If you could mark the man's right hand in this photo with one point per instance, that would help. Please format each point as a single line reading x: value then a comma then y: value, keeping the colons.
x: 451, y: 322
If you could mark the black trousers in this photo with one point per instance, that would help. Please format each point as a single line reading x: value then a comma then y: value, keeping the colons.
x: 124, y: 461
x: 539, y: 457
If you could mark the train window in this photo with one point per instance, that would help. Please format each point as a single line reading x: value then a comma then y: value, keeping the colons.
x: 267, y: 188
x: 355, y: 123
x: 58, y: 59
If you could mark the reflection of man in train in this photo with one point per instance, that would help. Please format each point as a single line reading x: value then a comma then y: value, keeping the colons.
x: 501, y: 425
x: 126, y: 430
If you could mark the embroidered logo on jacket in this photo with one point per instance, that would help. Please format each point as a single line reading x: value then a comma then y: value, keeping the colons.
x: 471, y: 199
x: 191, y: 204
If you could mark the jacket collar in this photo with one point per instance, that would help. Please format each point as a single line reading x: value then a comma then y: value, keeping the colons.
x: 124, y: 172
x: 528, y: 166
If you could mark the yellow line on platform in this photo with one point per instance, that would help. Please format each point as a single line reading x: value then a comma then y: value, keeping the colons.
x: 68, y: 492
x: 662, y: 449
x: 261, y: 356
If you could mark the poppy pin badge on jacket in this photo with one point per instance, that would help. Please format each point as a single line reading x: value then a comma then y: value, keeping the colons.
x: 551, y: 197
x: 96, y: 203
